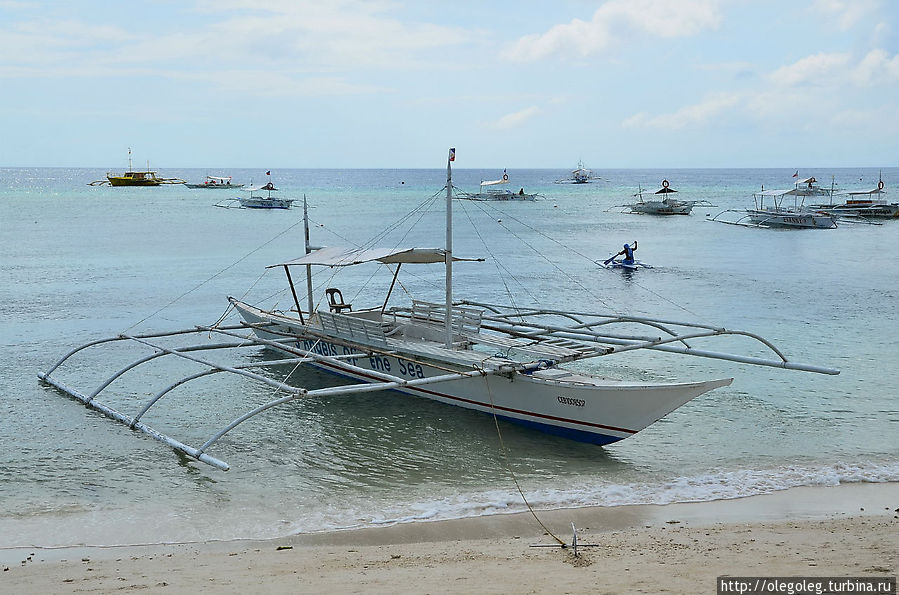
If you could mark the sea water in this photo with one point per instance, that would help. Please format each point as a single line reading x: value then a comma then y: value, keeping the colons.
x: 79, y: 263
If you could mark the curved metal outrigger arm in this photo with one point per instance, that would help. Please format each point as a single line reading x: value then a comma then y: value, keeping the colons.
x: 186, y: 379
x: 128, y: 338
x: 121, y: 417
x: 629, y: 343
x: 385, y: 381
x: 660, y: 345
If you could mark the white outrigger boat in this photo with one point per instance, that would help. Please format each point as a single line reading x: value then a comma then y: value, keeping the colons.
x: 778, y: 214
x: 663, y: 203
x: 214, y: 183
x: 510, y: 362
x: 488, y: 191
x: 258, y: 198
x: 580, y: 175
x: 865, y: 204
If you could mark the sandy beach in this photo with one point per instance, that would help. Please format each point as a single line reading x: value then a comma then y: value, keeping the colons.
x: 849, y: 530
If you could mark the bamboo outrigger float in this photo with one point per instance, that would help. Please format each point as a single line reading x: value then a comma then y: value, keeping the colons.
x: 501, y: 360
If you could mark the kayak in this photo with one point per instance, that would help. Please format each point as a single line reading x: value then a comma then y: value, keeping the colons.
x: 620, y: 264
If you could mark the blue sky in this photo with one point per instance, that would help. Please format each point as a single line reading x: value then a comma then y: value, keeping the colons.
x: 393, y: 83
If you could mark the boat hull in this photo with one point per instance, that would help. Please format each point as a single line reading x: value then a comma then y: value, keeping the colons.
x: 879, y: 211
x: 595, y: 414
x: 215, y: 186
x: 791, y: 219
x: 265, y: 203
x: 501, y: 195
x: 627, y: 266
x: 580, y: 407
x: 123, y: 181
x: 662, y: 208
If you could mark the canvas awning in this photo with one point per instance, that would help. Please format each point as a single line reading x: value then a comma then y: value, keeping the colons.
x: 339, y: 256
x: 859, y: 192
x: 777, y: 192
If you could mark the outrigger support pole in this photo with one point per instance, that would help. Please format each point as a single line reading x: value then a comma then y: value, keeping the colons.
x: 384, y: 381
x: 584, y: 332
x: 113, y: 414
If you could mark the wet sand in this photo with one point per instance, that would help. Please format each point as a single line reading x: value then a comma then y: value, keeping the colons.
x: 850, y: 530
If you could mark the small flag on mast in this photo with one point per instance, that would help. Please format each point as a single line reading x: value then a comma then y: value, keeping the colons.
x: 796, y: 175
x: 268, y: 173
x: 452, y: 154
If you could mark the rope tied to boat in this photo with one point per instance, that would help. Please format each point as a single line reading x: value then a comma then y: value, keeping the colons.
x: 505, y: 452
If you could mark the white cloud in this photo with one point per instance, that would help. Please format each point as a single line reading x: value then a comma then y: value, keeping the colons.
x: 613, y: 23
x: 516, y: 119
x: 818, y: 69
x: 39, y: 44
x: 692, y: 115
x: 296, y: 36
x: 877, y: 67
x: 839, y: 69
x: 812, y: 89
x: 849, y: 13
x: 333, y: 34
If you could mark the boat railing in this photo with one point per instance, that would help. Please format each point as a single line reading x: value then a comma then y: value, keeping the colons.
x: 427, y: 321
x: 368, y: 332
x: 464, y: 320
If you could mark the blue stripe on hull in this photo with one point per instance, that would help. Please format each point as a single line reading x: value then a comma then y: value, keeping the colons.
x: 569, y: 433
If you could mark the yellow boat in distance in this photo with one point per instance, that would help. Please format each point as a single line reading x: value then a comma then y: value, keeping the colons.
x: 135, y: 178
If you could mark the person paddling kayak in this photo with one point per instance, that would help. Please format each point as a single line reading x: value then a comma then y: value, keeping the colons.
x: 627, y: 253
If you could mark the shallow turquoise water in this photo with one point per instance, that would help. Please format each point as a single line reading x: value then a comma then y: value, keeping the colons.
x: 80, y: 263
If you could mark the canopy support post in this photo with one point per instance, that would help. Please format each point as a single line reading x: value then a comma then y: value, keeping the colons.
x: 308, y: 247
x: 389, y: 291
x: 294, y: 292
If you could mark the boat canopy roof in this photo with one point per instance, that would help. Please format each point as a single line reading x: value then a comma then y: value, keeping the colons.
x: 341, y: 256
x: 494, y: 182
x: 811, y: 180
x: 776, y: 192
x: 268, y: 186
x: 859, y: 192
x: 219, y: 178
x: 665, y: 190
